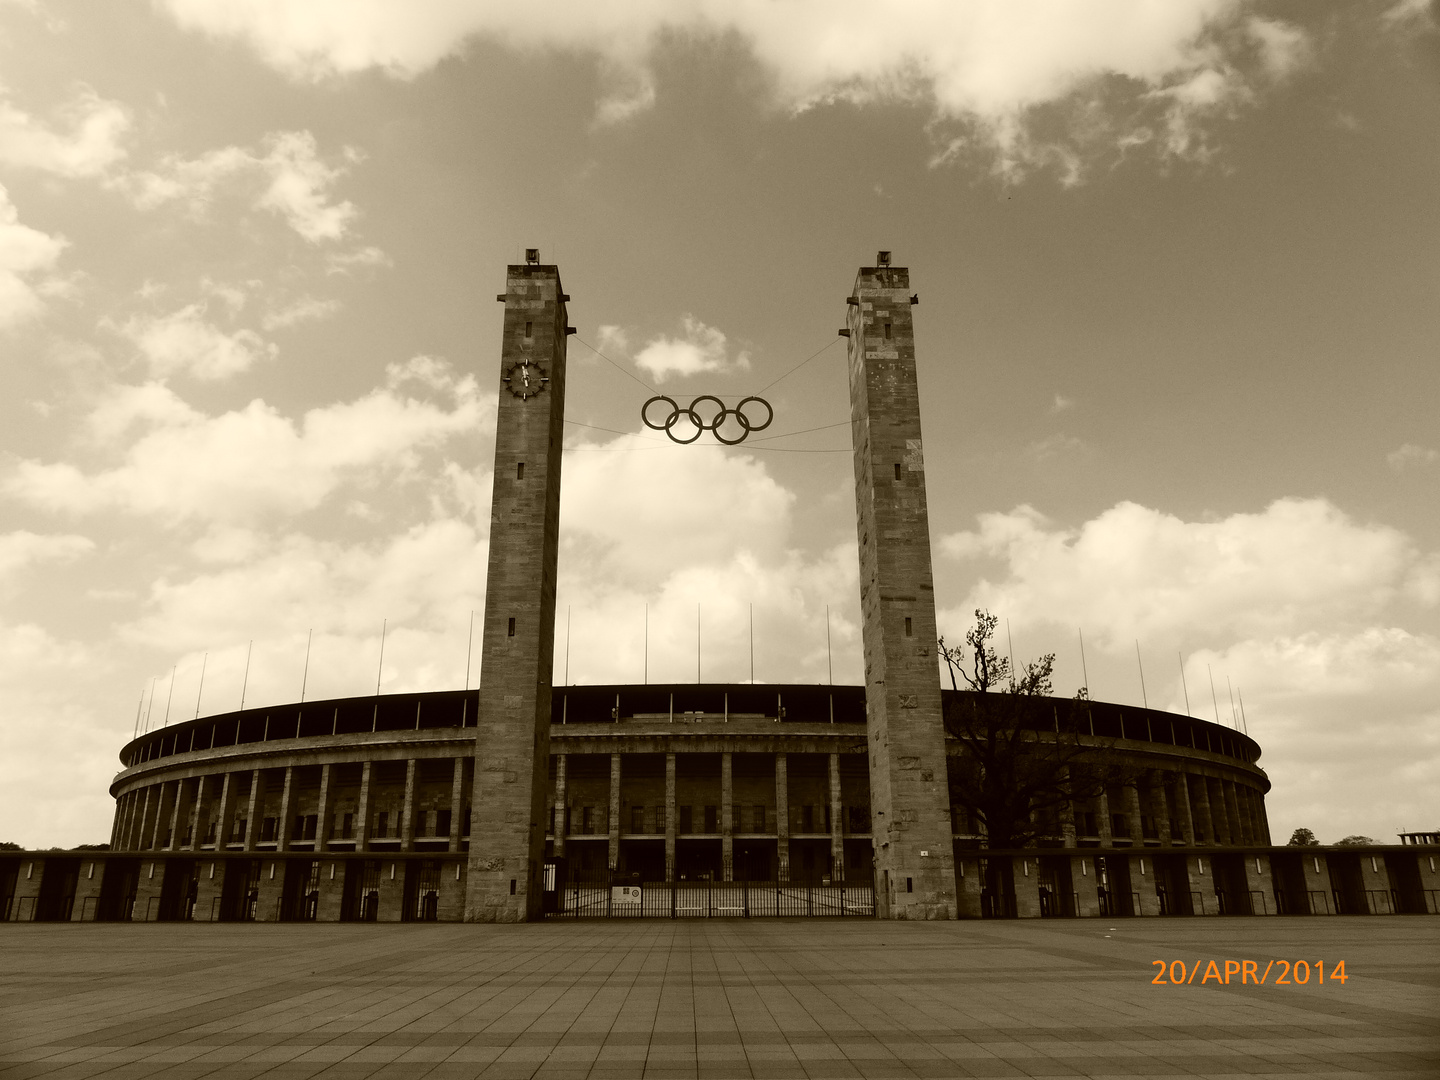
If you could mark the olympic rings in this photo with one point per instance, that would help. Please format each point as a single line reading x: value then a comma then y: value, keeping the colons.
x: 693, y: 415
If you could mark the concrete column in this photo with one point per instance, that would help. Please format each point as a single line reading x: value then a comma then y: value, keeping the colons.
x: 407, y: 813
x: 1182, y: 807
x: 557, y: 828
x: 125, y: 810
x: 144, y: 820
x: 362, y: 811
x: 225, y: 811
x: 1264, y: 819
x: 252, y: 827
x: 202, y: 789
x: 282, y: 831
x: 670, y: 817
x: 115, y: 822
x: 1102, y: 817
x: 782, y: 820
x: 1159, y: 806
x: 163, y: 812
x: 457, y: 803
x: 727, y: 831
x: 1131, y: 794
x: 614, y: 811
x: 1239, y: 833
x: 322, y: 811
x: 1205, y: 821
x: 837, y: 827
x: 1067, y: 815
x: 174, y: 844
x: 1220, y: 812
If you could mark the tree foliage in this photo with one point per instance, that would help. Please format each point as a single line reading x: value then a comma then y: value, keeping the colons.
x: 1355, y: 841
x: 10, y: 845
x: 1302, y: 838
x: 1020, y: 760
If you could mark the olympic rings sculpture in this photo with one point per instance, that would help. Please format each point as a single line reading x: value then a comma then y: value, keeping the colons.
x: 695, y: 418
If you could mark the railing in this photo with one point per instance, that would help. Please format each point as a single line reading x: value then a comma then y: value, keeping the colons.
x: 603, y: 899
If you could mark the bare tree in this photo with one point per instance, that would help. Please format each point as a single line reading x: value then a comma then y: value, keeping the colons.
x: 1020, y: 760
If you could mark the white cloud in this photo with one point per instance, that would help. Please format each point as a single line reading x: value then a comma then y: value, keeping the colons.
x: 701, y: 350
x: 1061, y: 403
x: 21, y: 549
x: 1411, y: 456
x: 294, y: 183
x: 1136, y: 572
x: 305, y: 309
x: 1295, y: 606
x: 185, y: 342
x: 26, y: 255
x: 986, y: 67
x: 90, y: 148
x: 251, y: 462
x: 342, y: 262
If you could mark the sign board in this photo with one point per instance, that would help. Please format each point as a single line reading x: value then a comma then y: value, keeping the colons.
x: 625, y: 894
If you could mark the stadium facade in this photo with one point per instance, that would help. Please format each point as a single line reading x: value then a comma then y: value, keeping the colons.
x: 519, y: 800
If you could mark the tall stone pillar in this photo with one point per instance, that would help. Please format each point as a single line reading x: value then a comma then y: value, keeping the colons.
x: 225, y: 811
x: 457, y: 803
x: 557, y: 827
x: 669, y: 817
x: 837, y: 827
x: 282, y: 829
x: 914, y: 862
x: 1182, y: 808
x: 256, y: 804
x: 512, y: 734
x: 1205, y: 822
x: 173, y: 842
x: 407, y: 812
x: 197, y: 812
x: 362, y: 810
x: 1102, y: 814
x: 322, y: 810
x: 1238, y: 833
x: 782, y: 819
x: 614, y: 812
x: 145, y: 818
x: 727, y: 829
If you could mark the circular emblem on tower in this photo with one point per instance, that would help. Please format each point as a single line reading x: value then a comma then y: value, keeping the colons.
x: 525, y: 378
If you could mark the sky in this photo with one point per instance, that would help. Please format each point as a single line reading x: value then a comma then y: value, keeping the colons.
x: 1179, y: 275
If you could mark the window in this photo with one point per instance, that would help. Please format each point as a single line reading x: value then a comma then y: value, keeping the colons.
x: 267, y: 829
x: 887, y: 331
x: 827, y: 819
x: 587, y: 820
x: 897, y: 470
x: 807, y: 819
x: 1090, y: 829
x: 382, y: 824
x: 659, y: 819
x: 529, y: 330
x: 520, y: 470
x: 757, y: 822
x: 637, y: 819
x: 710, y: 820
x: 859, y: 819
x: 347, y: 827
x: 237, y: 834
x: 686, y: 819
x: 1118, y: 825
x: 298, y: 832
x: 442, y: 822
x: 512, y: 628
x: 311, y: 822
x: 909, y: 629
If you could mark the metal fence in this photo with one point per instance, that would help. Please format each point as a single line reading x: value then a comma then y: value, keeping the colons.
x: 604, y: 899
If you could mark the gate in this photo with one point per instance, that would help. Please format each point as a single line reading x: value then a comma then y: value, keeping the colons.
x: 613, y: 896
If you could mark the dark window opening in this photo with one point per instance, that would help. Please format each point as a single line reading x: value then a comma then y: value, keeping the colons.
x: 512, y: 886
x: 659, y: 819
x: 909, y: 628
x: 520, y: 470
x: 909, y: 884
x: 267, y: 829
x: 637, y: 819
x: 897, y: 470
x: 512, y: 628
x: 887, y: 331
x: 807, y: 819
x: 528, y: 334
x: 686, y: 819
x: 711, y: 820
x: 442, y: 823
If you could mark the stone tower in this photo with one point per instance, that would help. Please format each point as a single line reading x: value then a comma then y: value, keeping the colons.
x: 909, y: 790
x: 512, y: 738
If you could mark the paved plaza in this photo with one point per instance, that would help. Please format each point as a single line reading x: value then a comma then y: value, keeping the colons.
x: 719, y: 998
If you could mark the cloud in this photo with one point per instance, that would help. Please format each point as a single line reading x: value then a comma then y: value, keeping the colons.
x: 185, y: 342
x: 1411, y: 456
x: 1137, y: 572
x: 183, y: 465
x: 702, y: 350
x: 293, y: 182
x: 1061, y: 404
x: 985, y: 71
x: 305, y: 309
x: 19, y: 550
x: 342, y: 262
x: 1297, y: 606
x: 91, y: 147
x: 25, y: 253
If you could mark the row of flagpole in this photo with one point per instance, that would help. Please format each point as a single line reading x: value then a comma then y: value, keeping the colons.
x: 1238, y: 720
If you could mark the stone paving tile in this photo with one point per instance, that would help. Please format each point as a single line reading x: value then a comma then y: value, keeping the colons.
x: 711, y: 1001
